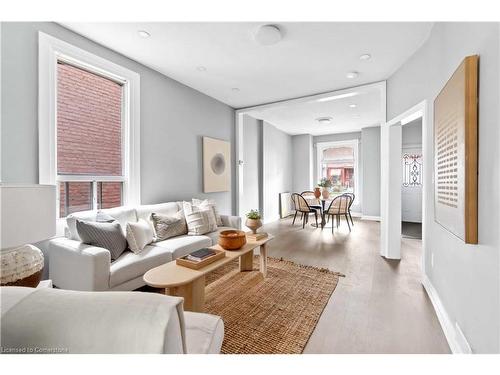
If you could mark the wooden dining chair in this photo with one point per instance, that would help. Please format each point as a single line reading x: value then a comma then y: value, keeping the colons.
x: 309, y: 195
x: 303, y: 207
x: 349, y: 208
x: 339, y: 207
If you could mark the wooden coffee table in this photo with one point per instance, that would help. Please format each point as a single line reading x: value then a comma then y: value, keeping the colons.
x: 188, y: 283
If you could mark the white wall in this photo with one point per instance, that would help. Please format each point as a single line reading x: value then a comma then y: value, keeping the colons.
x: 303, y: 163
x: 252, y: 164
x: 466, y: 277
x: 277, y: 169
x: 370, y: 157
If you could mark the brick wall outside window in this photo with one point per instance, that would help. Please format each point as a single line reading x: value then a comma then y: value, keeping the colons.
x: 89, y: 135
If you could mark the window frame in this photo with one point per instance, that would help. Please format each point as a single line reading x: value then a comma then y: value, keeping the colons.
x: 50, y: 51
x: 354, y: 143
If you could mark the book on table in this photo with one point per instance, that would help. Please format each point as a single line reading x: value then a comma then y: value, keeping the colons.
x: 256, y: 236
x: 199, y: 255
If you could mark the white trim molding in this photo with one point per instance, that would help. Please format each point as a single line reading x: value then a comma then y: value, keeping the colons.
x: 456, y: 339
x: 50, y: 51
x: 372, y: 218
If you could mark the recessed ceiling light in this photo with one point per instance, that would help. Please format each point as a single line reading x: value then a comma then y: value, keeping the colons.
x: 365, y: 57
x: 143, y: 34
x: 324, y: 120
x: 235, y: 89
x: 201, y: 68
x: 352, y: 105
x: 352, y: 75
x: 267, y: 35
x: 335, y: 97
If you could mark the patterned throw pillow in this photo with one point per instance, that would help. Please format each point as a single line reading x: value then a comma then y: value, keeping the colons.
x: 139, y: 234
x: 106, y: 235
x: 167, y: 226
x: 199, y: 220
x: 208, y: 203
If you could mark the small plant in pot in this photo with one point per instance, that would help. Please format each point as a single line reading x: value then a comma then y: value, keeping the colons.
x: 325, y: 184
x: 253, y: 221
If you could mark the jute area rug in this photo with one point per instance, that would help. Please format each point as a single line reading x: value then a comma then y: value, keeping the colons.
x: 276, y: 315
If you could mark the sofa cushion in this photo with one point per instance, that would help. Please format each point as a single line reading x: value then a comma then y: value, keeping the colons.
x: 106, y: 235
x: 123, y: 215
x: 130, y: 266
x: 208, y: 203
x: 71, y: 222
x: 169, y: 208
x: 204, y: 333
x: 183, y: 245
x: 167, y: 226
x: 139, y: 235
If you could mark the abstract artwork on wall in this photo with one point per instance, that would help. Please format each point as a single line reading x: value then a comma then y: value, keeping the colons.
x: 456, y: 152
x: 216, y: 165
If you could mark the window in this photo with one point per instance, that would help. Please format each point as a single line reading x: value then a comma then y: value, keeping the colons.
x: 89, y: 140
x: 338, y: 161
x: 88, y: 128
x: 412, y: 170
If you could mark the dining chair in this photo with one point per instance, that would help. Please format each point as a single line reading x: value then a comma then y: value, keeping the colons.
x: 339, y: 207
x: 309, y: 195
x: 349, y: 208
x: 303, y: 207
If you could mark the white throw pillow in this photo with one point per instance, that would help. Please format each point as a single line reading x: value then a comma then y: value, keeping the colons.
x: 139, y: 234
x: 199, y: 220
x: 209, y: 203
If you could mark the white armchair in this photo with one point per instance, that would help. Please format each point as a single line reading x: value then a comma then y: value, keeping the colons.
x: 46, y: 320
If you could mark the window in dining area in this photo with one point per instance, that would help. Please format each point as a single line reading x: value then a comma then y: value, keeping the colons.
x: 338, y: 162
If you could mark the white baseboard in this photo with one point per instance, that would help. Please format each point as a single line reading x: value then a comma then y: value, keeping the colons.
x: 456, y: 339
x: 373, y: 218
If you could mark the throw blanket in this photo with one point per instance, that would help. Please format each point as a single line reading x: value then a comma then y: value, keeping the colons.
x: 63, y: 321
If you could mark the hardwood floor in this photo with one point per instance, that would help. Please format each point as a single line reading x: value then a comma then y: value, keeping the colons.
x: 380, y: 306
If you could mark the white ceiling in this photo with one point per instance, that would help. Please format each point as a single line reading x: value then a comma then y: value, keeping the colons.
x: 299, y: 116
x: 311, y: 58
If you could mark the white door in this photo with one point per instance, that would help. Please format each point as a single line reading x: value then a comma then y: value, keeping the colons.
x: 411, y: 185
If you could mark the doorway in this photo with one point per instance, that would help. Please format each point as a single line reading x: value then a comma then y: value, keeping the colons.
x: 398, y: 201
x: 412, y: 179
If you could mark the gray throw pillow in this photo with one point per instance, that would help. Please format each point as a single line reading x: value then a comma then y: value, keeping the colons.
x: 106, y: 235
x: 167, y: 226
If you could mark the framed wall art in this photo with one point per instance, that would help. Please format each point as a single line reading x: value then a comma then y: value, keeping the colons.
x: 456, y: 152
x: 216, y: 165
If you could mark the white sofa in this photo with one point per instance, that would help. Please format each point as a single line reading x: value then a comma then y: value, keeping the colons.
x: 46, y: 320
x: 77, y: 266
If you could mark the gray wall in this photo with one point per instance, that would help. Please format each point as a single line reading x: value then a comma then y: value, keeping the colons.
x: 303, y: 163
x: 412, y: 132
x: 174, y: 118
x: 466, y: 277
x: 277, y: 169
x: 252, y: 164
x: 370, y: 141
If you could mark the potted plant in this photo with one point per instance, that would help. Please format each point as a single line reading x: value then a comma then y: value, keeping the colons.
x: 325, y: 184
x: 253, y: 220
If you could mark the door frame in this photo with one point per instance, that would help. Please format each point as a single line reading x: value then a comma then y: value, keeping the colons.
x: 390, y: 189
x: 238, y: 119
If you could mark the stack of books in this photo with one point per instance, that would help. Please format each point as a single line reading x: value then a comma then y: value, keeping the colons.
x: 256, y: 236
x: 199, y: 255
